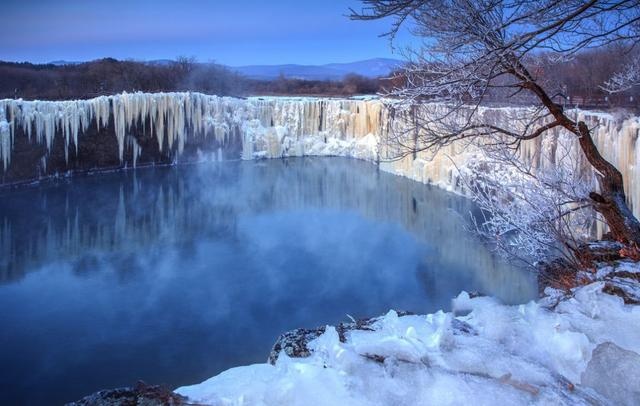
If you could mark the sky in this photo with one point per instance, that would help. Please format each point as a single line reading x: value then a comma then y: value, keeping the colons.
x: 231, y: 32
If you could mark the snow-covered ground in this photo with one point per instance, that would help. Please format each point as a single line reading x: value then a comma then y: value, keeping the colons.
x: 577, y: 348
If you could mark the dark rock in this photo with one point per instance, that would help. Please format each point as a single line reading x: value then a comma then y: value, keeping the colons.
x: 294, y: 343
x: 603, y: 251
x: 475, y: 293
x: 462, y: 328
x: 627, y: 289
x: 635, y: 276
x: 564, y: 275
x: 140, y: 395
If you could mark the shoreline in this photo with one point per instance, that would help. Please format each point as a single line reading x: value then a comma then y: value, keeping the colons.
x: 559, y: 348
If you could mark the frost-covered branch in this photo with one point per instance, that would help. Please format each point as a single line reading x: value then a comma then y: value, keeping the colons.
x: 532, y: 212
x: 625, y: 79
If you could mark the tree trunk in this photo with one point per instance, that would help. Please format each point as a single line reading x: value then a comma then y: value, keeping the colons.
x: 611, y: 202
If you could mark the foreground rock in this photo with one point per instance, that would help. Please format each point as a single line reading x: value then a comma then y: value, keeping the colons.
x: 295, y: 343
x: 140, y: 395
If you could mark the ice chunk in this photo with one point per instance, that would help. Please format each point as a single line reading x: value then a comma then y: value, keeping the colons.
x: 615, y: 373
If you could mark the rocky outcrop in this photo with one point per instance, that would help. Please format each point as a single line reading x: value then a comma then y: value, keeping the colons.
x: 139, y: 395
x: 295, y: 343
x: 599, y: 261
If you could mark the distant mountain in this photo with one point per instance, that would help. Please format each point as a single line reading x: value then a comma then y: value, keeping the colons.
x: 332, y: 71
x: 161, y: 62
x: 152, y: 62
x: 369, y: 68
x: 62, y: 63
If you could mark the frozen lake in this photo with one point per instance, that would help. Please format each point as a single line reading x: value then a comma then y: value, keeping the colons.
x: 171, y: 275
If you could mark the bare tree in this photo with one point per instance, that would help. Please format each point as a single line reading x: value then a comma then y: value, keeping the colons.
x: 471, y: 49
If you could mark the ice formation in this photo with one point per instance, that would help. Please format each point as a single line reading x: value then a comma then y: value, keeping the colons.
x: 275, y: 126
x: 286, y: 126
x: 169, y: 115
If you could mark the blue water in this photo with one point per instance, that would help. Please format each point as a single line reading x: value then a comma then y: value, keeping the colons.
x: 171, y: 275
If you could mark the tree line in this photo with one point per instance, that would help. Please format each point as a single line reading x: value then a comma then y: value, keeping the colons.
x: 576, y: 81
x: 108, y: 76
x: 580, y: 80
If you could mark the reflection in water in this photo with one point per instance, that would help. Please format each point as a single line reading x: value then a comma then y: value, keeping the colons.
x: 171, y: 275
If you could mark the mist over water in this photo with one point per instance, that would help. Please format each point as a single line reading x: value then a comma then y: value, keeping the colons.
x: 171, y: 275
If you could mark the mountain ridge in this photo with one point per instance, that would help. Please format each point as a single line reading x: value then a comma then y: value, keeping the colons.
x: 374, y: 67
x: 371, y: 68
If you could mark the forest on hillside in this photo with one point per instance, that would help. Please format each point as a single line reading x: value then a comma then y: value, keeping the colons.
x: 577, y: 81
x: 109, y: 76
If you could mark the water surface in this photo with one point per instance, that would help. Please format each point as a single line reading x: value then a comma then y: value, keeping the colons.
x: 171, y: 275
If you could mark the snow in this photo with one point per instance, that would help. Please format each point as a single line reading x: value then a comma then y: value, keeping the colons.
x: 610, y: 370
x: 482, y: 352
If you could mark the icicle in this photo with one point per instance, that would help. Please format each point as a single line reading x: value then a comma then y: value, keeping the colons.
x: 5, y: 143
x: 136, y: 149
x: 119, y: 122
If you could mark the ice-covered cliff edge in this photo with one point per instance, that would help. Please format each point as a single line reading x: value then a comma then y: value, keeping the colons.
x: 271, y: 127
x: 41, y: 138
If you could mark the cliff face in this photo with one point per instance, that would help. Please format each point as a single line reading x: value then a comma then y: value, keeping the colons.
x: 41, y: 139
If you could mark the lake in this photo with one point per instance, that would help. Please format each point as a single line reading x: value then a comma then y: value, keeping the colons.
x: 172, y: 274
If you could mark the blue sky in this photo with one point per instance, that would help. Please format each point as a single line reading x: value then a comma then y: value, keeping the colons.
x: 236, y: 32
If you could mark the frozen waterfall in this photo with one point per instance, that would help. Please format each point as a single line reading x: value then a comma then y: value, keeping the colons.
x: 277, y: 125
x: 274, y: 127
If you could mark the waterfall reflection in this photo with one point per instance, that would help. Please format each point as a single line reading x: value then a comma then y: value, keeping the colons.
x: 127, y: 212
x: 171, y: 275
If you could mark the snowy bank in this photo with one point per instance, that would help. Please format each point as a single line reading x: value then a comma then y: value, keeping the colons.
x: 576, y: 348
